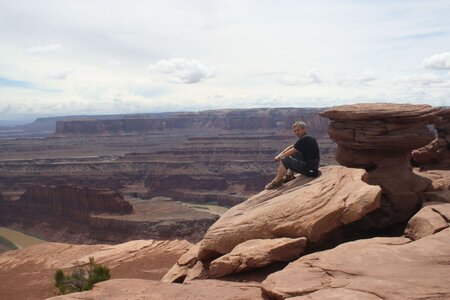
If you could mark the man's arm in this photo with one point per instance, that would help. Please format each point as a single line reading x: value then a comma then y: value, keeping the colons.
x: 289, y: 151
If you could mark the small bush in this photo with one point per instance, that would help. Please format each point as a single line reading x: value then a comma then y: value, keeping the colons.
x: 81, y: 279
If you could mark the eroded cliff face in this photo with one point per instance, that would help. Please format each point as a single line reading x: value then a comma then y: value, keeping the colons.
x: 380, y: 137
x: 72, y: 201
x: 437, y: 153
x: 215, y: 157
x: 249, y: 119
x: 98, y: 215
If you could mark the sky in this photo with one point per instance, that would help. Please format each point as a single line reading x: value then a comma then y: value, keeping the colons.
x: 111, y: 57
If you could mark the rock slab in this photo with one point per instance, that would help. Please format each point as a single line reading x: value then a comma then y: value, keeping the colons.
x: 378, y: 268
x: 256, y: 254
x: 302, y: 208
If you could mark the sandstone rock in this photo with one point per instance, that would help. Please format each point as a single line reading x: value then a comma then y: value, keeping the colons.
x: 114, y: 255
x: 75, y: 202
x: 135, y: 289
x: 180, y: 270
x: 36, y: 265
x: 440, y: 180
x: 255, y: 254
x: 437, y: 152
x: 439, y: 189
x: 337, y: 294
x: 380, y: 137
x: 385, y: 268
x: 432, y: 218
x: 304, y: 207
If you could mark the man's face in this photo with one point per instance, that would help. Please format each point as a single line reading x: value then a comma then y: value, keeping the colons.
x: 299, y: 131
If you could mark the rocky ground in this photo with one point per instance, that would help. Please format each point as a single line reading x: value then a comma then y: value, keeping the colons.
x: 372, y: 228
x: 28, y: 273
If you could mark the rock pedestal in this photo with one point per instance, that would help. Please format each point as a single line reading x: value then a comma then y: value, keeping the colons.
x: 379, y: 138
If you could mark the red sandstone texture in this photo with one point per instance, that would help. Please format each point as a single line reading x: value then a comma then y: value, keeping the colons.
x: 437, y: 153
x: 311, y: 210
x: 28, y: 273
x: 380, y: 138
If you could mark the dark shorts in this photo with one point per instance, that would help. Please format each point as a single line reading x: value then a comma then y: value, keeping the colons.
x: 307, y: 168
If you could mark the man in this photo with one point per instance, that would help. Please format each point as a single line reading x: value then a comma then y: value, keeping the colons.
x: 302, y: 157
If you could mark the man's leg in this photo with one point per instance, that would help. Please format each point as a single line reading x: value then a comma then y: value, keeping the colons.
x: 278, y: 181
x: 281, y: 172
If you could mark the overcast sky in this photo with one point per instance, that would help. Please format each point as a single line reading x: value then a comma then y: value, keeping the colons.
x: 101, y: 57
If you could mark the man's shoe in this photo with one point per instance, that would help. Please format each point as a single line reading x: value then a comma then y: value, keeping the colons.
x: 273, y: 185
x: 288, y: 177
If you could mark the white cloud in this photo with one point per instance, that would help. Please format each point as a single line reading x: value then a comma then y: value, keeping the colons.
x: 183, y: 70
x: 365, y: 78
x: 59, y: 74
x: 438, y: 61
x: 311, y: 78
x: 53, y: 48
x: 426, y: 79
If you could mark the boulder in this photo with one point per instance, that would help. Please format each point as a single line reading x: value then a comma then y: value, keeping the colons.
x: 432, y: 218
x: 304, y: 207
x: 185, y: 263
x: 436, y: 153
x: 255, y: 254
x: 377, y: 268
x: 439, y: 189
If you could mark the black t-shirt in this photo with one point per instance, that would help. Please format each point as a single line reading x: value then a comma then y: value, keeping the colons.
x: 307, y: 146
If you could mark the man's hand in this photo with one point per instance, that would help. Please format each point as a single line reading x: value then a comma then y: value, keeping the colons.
x: 277, y: 158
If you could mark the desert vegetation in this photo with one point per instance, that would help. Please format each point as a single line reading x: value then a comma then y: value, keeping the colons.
x: 81, y: 279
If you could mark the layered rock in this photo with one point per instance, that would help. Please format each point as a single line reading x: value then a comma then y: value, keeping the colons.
x: 257, y: 253
x: 437, y: 153
x: 380, y: 137
x: 72, y: 201
x: 386, y: 268
x: 377, y: 268
x: 432, y: 218
x: 145, y: 259
x: 249, y: 119
x: 95, y: 215
x: 304, y: 208
x: 153, y: 290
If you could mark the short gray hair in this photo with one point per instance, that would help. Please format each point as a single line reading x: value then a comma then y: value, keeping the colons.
x: 299, y: 124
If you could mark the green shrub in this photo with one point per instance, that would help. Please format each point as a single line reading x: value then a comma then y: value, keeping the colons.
x: 81, y: 279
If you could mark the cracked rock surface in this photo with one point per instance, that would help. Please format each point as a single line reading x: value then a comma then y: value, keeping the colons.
x: 377, y: 268
x: 304, y: 207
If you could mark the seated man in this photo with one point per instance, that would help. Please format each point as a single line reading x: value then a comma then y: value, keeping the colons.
x: 302, y: 157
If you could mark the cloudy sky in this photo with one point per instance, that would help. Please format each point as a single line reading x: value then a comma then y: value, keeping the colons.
x: 100, y: 57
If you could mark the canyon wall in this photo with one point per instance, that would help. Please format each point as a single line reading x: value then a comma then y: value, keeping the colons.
x: 217, y: 157
x: 249, y: 119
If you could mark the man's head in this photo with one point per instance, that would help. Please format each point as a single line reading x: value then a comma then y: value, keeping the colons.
x: 299, y: 128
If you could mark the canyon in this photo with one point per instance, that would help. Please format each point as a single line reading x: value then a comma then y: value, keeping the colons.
x: 372, y: 227
x: 213, y: 157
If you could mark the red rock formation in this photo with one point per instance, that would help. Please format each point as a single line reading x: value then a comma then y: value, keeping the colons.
x: 72, y: 202
x: 35, y: 266
x: 249, y: 119
x: 95, y: 215
x: 378, y: 268
x: 437, y: 153
x: 380, y: 137
x: 305, y: 207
